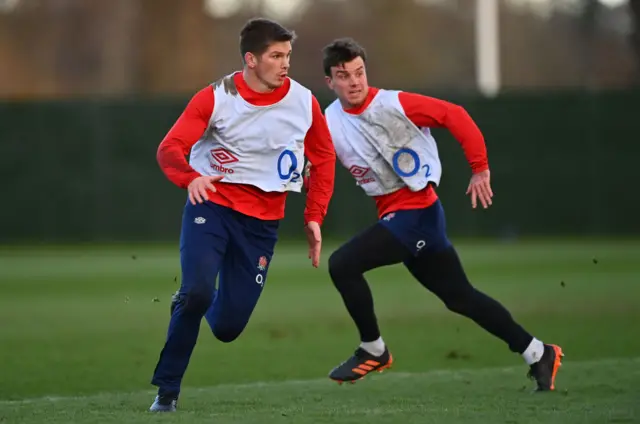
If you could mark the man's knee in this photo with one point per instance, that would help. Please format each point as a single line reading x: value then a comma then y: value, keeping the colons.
x: 342, y: 264
x: 195, y: 302
x: 448, y: 281
x: 198, y: 281
x: 335, y: 265
x: 460, y: 299
x: 228, y: 332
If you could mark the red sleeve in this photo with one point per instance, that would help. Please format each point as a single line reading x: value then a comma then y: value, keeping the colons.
x: 427, y: 111
x: 319, y: 150
x: 182, y: 136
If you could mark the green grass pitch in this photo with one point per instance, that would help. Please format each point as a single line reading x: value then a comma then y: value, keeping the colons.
x: 81, y: 329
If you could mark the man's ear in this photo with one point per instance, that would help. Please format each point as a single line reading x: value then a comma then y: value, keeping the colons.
x: 329, y: 82
x: 251, y: 60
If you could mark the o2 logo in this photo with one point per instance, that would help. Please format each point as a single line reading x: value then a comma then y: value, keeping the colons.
x: 289, y: 173
x: 416, y: 164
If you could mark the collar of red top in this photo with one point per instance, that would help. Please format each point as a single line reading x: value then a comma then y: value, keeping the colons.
x: 255, y: 97
x: 357, y: 110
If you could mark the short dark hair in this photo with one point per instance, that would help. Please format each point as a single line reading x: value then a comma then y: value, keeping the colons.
x: 259, y: 33
x: 341, y: 51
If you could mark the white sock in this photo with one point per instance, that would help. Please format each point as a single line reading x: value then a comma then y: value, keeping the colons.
x: 376, y: 347
x: 534, y: 351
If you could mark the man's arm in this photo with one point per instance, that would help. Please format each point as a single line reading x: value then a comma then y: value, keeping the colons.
x: 320, y: 152
x: 427, y: 111
x: 182, y: 136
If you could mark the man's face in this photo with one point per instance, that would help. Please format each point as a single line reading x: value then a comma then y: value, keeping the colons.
x: 349, y: 82
x: 272, y: 66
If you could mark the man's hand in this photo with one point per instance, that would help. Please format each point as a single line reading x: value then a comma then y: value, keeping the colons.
x: 480, y: 188
x: 198, y: 188
x: 314, y: 237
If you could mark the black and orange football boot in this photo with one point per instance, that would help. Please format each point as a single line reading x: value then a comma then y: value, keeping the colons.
x: 545, y: 370
x: 359, y: 365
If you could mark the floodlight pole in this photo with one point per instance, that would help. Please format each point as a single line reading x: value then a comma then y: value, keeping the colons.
x: 487, y: 37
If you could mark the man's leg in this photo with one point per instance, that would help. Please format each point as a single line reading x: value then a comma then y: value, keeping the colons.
x: 242, y: 276
x: 203, y: 243
x: 375, y: 247
x: 439, y: 269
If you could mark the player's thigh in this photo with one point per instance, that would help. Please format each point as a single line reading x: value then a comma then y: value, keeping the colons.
x: 441, y: 272
x: 244, y: 270
x: 374, y: 247
x: 203, y: 243
x: 419, y: 230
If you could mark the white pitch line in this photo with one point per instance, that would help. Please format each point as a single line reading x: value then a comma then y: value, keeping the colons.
x: 315, y: 381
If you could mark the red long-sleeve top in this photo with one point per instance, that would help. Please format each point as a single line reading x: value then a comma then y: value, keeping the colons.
x: 243, y: 198
x: 426, y: 111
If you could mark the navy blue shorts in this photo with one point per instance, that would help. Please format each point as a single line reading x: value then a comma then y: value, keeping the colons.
x: 420, y: 230
x: 217, y: 241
